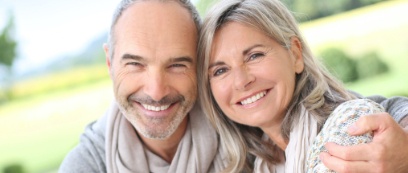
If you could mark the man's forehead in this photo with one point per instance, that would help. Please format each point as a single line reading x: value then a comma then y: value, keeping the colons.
x: 154, y: 27
x: 155, y: 18
x: 146, y: 12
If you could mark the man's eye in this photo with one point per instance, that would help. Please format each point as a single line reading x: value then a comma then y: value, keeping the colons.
x: 177, y: 65
x: 134, y: 64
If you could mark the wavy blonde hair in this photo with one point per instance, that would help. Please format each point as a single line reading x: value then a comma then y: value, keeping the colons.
x: 316, y: 90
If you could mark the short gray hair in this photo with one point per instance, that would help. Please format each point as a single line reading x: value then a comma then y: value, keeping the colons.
x: 125, y: 4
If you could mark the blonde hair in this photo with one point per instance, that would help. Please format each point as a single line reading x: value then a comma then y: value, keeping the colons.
x: 315, y: 89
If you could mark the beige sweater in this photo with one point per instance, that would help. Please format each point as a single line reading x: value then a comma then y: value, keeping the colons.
x: 111, y: 145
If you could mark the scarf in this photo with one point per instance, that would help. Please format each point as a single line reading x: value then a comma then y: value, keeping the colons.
x: 300, y: 139
x: 197, y: 151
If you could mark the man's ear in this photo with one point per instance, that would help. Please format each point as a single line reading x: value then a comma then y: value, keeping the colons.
x: 297, y: 52
x: 108, y: 58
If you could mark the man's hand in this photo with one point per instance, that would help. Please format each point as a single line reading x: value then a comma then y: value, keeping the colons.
x: 388, y: 152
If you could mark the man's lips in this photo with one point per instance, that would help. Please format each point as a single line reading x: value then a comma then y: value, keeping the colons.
x: 155, y: 108
x: 156, y: 111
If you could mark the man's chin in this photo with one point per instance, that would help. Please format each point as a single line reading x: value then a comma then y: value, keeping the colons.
x: 156, y: 134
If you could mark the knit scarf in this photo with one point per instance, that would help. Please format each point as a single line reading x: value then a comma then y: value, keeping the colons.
x: 198, y: 150
x: 300, y: 139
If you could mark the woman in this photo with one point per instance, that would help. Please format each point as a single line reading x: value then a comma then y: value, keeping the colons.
x: 265, y: 92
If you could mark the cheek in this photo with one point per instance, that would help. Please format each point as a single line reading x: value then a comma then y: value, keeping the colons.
x: 220, y: 93
x: 124, y: 82
x: 186, y: 83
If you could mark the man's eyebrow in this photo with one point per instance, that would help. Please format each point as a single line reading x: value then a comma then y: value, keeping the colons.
x: 131, y: 57
x: 182, y: 59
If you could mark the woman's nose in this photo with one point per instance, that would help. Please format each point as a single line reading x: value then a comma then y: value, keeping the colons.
x: 243, y: 78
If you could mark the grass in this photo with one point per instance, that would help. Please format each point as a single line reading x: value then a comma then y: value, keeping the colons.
x: 38, y: 131
x: 64, y: 79
x: 378, y: 28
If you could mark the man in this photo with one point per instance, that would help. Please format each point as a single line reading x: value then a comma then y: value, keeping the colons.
x: 153, y: 126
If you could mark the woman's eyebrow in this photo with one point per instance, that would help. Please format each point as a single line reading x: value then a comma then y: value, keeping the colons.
x: 250, y: 48
x: 217, y: 63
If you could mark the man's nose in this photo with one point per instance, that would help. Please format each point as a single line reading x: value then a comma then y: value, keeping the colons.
x: 156, y: 84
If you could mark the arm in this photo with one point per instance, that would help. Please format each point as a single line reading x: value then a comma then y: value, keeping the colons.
x: 89, y: 154
x: 386, y: 153
x: 335, y: 130
x: 397, y: 107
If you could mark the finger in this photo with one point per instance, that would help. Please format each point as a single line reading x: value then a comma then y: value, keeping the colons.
x: 358, y: 152
x: 404, y: 122
x: 373, y: 122
x: 342, y: 166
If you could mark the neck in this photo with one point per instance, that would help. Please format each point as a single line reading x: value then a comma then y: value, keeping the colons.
x: 167, y: 148
x: 274, y: 133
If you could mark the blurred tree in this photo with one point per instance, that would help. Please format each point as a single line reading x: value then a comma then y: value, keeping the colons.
x: 306, y: 10
x: 314, y: 9
x: 13, y: 168
x: 370, y: 65
x: 8, y: 45
x: 204, y: 5
x: 7, y: 56
x: 339, y: 64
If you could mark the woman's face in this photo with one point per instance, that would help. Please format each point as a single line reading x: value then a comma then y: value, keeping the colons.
x: 252, y: 76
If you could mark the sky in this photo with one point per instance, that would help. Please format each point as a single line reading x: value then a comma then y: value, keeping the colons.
x: 48, y: 29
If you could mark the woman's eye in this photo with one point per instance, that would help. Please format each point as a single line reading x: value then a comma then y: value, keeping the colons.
x: 218, y: 72
x: 255, y: 56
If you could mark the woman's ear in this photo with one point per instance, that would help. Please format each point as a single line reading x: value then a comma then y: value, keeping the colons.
x: 296, y: 49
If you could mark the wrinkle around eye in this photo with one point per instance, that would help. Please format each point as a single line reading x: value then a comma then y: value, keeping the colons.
x: 255, y: 57
x: 180, y: 69
x: 134, y: 66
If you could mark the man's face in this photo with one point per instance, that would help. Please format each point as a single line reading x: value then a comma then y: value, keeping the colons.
x: 153, y: 66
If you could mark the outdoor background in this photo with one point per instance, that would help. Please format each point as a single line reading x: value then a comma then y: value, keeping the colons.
x: 53, y: 78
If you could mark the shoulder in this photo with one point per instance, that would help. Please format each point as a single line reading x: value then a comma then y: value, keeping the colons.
x: 357, y: 107
x: 348, y: 112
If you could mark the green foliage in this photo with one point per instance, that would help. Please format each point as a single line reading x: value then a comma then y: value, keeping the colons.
x: 349, y: 69
x: 314, y: 9
x: 203, y: 5
x: 13, y: 168
x: 7, y: 45
x: 339, y: 64
x: 370, y: 65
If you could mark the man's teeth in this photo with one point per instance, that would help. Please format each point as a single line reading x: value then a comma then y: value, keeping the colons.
x: 155, y: 108
x: 253, y: 98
